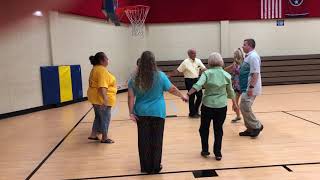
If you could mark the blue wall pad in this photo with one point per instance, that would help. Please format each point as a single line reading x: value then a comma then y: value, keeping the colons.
x: 76, y: 82
x: 50, y: 85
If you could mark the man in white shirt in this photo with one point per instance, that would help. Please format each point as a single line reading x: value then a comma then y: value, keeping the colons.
x: 190, y: 68
x: 251, y: 87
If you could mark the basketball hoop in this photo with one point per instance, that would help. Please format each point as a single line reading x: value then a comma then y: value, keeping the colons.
x: 137, y: 16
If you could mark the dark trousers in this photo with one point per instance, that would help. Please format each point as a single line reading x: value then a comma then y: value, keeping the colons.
x: 150, y: 139
x: 218, y: 116
x: 193, y: 105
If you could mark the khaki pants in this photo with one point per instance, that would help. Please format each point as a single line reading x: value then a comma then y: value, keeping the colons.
x: 250, y: 120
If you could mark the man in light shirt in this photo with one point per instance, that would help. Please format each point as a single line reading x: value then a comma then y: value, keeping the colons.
x: 190, y: 68
x: 251, y: 87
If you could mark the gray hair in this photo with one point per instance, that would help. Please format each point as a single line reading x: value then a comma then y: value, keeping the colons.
x: 215, y: 60
x: 191, y: 50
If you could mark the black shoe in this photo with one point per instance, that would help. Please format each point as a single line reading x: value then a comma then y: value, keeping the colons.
x: 256, y: 132
x: 245, y: 133
x: 158, y: 170
x: 195, y: 116
x: 205, y: 154
x: 218, y: 158
x: 236, y: 119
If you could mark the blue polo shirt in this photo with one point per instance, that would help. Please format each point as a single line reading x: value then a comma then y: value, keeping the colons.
x: 151, y: 102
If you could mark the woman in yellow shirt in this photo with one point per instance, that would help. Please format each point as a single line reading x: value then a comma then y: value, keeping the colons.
x: 102, y: 94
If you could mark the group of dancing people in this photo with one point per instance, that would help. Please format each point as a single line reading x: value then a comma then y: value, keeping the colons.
x: 241, y: 81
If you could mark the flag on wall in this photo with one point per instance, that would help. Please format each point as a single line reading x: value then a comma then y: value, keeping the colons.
x: 61, y: 84
x: 295, y: 8
x: 271, y: 9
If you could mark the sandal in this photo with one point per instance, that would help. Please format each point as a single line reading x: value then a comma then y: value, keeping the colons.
x: 107, y: 141
x: 93, y: 138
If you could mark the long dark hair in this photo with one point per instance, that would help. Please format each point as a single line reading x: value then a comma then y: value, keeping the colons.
x: 147, y: 68
x: 96, y: 59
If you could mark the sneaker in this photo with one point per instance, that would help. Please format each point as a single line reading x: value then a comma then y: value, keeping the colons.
x: 218, y: 158
x: 236, y: 119
x: 245, y: 133
x: 205, y: 154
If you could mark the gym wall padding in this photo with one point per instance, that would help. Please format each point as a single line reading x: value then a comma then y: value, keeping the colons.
x: 65, y: 84
x: 76, y: 82
x: 50, y: 85
x: 61, y: 84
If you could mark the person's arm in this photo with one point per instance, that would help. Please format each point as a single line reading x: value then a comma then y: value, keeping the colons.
x: 175, y: 91
x: 131, y: 104
x: 254, y: 79
x: 198, y: 86
x: 202, y: 66
x: 103, y: 85
x: 177, y: 71
x: 103, y: 93
x: 174, y: 73
x: 131, y: 99
x: 231, y: 95
x: 229, y: 68
x: 254, y: 73
x: 191, y: 91
x: 252, y: 83
x: 168, y: 86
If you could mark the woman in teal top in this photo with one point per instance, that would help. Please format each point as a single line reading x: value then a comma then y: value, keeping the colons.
x: 218, y: 88
x: 147, y: 108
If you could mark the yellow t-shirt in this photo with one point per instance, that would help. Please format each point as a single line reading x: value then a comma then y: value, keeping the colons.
x: 101, y: 77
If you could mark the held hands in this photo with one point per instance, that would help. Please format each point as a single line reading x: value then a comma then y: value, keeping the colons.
x: 133, y: 118
x: 185, y: 98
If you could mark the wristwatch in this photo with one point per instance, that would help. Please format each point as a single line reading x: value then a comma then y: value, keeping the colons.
x: 251, y: 87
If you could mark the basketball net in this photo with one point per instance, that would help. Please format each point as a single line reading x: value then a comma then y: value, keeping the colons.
x: 137, y: 16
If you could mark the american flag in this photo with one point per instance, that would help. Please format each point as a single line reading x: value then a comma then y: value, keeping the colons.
x: 271, y: 9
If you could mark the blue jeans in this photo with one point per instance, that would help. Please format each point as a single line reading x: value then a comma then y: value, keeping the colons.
x: 101, y: 119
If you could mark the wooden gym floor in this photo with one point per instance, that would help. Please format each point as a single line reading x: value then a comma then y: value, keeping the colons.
x: 53, y: 144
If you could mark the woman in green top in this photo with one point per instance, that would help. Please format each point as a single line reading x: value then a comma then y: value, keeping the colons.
x: 218, y: 88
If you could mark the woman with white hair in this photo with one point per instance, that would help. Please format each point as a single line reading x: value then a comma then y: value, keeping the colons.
x: 218, y: 88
